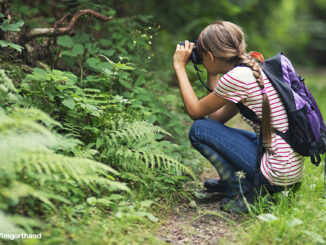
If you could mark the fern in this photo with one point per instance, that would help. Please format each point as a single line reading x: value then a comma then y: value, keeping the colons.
x: 29, y: 160
x: 8, y: 92
x: 134, y: 145
x: 152, y: 159
x: 135, y: 131
x: 7, y: 226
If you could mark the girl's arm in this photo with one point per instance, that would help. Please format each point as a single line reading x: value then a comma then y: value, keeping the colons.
x: 228, y: 111
x: 195, y: 108
x: 225, y: 113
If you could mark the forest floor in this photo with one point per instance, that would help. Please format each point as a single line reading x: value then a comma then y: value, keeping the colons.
x: 200, y: 221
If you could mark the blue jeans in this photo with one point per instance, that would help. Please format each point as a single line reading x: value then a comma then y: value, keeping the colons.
x: 229, y: 150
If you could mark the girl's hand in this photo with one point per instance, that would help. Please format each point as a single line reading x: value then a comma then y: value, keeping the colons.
x: 182, y: 54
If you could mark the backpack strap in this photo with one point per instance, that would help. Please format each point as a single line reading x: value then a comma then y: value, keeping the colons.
x: 324, y: 139
x: 251, y: 115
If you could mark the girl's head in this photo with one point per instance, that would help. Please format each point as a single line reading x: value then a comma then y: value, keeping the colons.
x: 225, y: 42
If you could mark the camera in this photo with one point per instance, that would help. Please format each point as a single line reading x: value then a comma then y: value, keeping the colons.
x: 196, y: 59
x: 195, y: 56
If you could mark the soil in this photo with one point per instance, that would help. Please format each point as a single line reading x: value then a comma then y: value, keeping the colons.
x: 200, y: 221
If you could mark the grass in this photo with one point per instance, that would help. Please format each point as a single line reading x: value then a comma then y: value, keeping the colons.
x: 299, y: 217
x: 100, y: 229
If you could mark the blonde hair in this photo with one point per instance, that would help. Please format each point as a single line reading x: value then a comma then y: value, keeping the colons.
x: 226, y: 41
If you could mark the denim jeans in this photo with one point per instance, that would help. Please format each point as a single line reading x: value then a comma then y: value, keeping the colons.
x: 229, y: 150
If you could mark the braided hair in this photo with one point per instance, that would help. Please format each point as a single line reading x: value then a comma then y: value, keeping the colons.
x: 226, y: 41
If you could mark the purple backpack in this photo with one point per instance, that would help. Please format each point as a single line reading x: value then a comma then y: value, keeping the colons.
x: 307, y: 131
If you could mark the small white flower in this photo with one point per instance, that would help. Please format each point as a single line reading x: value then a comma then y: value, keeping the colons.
x: 285, y: 193
x: 240, y: 174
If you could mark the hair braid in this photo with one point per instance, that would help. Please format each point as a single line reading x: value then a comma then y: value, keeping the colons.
x: 266, y: 111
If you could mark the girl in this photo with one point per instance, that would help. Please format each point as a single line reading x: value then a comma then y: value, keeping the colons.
x: 223, y: 51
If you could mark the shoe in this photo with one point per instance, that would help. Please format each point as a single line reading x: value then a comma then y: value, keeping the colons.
x: 237, y: 204
x: 214, y: 185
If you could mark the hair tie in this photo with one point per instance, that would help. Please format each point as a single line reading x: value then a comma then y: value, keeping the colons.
x: 257, y: 56
x: 263, y: 90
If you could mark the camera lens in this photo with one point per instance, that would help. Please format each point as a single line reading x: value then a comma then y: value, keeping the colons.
x: 195, y: 56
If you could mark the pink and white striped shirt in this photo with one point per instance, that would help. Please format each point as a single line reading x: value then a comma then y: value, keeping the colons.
x: 280, y: 164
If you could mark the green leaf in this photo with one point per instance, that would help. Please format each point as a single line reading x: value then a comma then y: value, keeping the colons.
x: 140, y: 81
x: 91, y: 201
x: 69, y: 102
x: 151, y: 217
x: 2, y: 15
x: 78, y: 49
x: 294, y: 222
x: 6, y: 226
x: 314, y: 236
x: 125, y: 84
x: 93, y: 62
x: 68, y: 53
x: 267, y: 217
x: 6, y: 26
x: 5, y: 44
x: 65, y: 41
x: 40, y: 72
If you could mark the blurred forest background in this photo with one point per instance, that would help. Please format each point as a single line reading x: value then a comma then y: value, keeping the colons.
x: 91, y: 120
x: 298, y: 28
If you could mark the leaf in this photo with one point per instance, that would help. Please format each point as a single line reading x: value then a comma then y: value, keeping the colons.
x: 267, y: 217
x: 91, y: 201
x: 68, y: 53
x: 78, y: 49
x: 294, y: 222
x: 93, y: 62
x: 115, y: 197
x: 146, y: 203
x: 5, y: 44
x: 6, y: 26
x: 314, y: 236
x: 65, y: 41
x: 1, y: 15
x: 140, y: 81
x: 7, y: 226
x: 151, y: 217
x: 69, y: 102
x: 125, y: 84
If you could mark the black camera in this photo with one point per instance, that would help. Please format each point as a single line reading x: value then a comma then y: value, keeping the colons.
x: 196, y: 59
x: 195, y: 56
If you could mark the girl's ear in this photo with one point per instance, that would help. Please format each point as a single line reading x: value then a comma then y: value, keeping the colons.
x: 211, y: 56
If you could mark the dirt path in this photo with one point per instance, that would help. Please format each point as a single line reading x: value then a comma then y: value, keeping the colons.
x: 200, y: 221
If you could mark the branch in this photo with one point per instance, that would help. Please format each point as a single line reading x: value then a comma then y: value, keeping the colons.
x: 58, y: 31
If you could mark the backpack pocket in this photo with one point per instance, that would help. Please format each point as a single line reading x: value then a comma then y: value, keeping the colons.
x: 301, y: 136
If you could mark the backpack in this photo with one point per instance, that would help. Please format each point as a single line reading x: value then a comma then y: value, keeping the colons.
x: 307, y: 131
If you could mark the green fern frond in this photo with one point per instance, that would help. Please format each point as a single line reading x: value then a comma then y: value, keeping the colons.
x: 69, y: 166
x: 137, y: 131
x: 8, y: 92
x: 83, y: 171
x: 19, y: 189
x: 152, y: 159
x: 7, y: 226
x: 24, y: 102
x: 18, y: 125
x: 34, y: 114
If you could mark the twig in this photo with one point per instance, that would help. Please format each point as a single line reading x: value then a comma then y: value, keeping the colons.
x: 57, y: 31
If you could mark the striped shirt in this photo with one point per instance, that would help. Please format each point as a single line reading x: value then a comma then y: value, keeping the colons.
x: 280, y: 164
